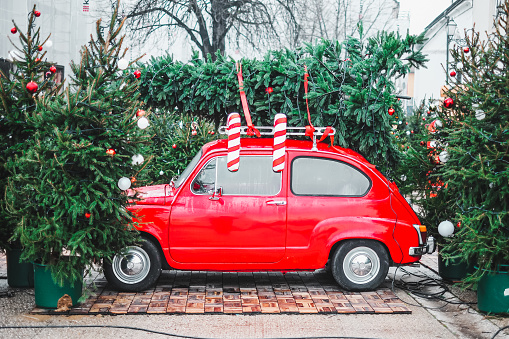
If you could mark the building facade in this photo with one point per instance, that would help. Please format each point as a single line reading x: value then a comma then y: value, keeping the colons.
x: 466, y: 15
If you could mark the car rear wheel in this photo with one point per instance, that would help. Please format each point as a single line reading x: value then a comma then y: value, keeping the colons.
x: 360, y: 265
x: 136, y: 269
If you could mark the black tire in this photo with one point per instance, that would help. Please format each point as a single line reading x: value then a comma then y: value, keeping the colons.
x: 360, y: 265
x: 136, y: 270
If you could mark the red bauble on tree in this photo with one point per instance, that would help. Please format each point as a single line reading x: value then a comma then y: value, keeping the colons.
x: 453, y: 73
x: 39, y: 48
x: 422, y: 143
x: 466, y: 49
x: 269, y: 90
x: 37, y: 60
x: 88, y: 215
x: 111, y: 151
x: 53, y: 69
x: 14, y: 30
x: 37, y: 13
x: 140, y: 113
x: 174, y: 146
x: 448, y: 103
x: 32, y: 87
x: 137, y: 74
x: 391, y: 111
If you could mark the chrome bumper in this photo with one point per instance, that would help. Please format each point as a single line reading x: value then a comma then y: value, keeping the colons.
x: 428, y: 247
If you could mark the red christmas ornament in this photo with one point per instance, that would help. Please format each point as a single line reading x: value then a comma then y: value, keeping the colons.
x: 88, y: 215
x: 458, y: 225
x: 14, y: 30
x: 453, y: 73
x: 140, y: 112
x: 422, y: 143
x: 137, y: 74
x: 53, y: 69
x: 194, y: 132
x: 37, y: 13
x: 111, y: 151
x: 32, y: 87
x: 391, y: 111
x: 39, y: 48
x: 37, y: 60
x: 411, y: 131
x: 174, y: 146
x: 466, y: 49
x: 406, y: 123
x: 212, y: 132
x: 269, y: 90
x: 448, y: 103
x: 424, y: 119
x: 429, y: 112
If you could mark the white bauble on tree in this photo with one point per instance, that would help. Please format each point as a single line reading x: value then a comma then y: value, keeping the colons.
x: 143, y: 123
x: 138, y: 159
x: 446, y: 229
x: 124, y: 183
x: 444, y: 156
x: 123, y: 64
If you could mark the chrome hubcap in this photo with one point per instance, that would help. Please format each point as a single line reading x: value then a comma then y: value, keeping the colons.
x: 361, y: 265
x: 133, y: 266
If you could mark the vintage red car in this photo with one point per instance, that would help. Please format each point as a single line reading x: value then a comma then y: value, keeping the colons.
x: 328, y: 206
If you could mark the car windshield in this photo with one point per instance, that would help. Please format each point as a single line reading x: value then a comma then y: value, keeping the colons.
x: 188, y: 169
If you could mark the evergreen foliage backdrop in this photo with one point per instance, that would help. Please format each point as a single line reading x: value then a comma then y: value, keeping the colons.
x: 351, y: 88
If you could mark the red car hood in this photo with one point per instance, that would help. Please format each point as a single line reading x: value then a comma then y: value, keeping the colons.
x: 149, y: 195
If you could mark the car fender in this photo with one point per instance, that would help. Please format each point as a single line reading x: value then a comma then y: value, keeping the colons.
x: 154, y: 221
x: 329, y: 232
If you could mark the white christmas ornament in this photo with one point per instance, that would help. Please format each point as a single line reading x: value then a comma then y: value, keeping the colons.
x: 403, y: 177
x: 443, y: 156
x: 438, y: 123
x: 123, y: 64
x: 124, y: 183
x: 480, y: 115
x: 161, y: 172
x: 138, y: 159
x: 48, y: 43
x: 446, y: 228
x: 433, y: 144
x: 407, y: 132
x: 143, y: 123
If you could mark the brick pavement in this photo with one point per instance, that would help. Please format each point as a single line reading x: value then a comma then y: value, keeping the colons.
x: 185, y: 292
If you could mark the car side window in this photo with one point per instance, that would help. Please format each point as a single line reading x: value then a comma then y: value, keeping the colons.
x: 327, y: 177
x: 254, y: 177
x: 204, y: 182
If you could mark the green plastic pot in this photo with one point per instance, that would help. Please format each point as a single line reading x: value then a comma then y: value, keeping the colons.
x: 455, y: 269
x: 47, y: 292
x: 493, y: 292
x: 20, y: 274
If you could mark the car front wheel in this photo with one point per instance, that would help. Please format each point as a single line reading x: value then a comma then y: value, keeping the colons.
x: 360, y: 265
x: 136, y: 269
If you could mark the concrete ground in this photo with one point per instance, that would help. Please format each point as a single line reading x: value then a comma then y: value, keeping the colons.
x: 429, y: 319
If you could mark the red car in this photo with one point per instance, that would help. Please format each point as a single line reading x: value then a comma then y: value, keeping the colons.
x: 328, y: 205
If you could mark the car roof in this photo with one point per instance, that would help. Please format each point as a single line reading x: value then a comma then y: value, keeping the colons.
x: 291, y: 145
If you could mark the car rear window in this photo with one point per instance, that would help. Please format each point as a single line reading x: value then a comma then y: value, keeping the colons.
x: 327, y: 177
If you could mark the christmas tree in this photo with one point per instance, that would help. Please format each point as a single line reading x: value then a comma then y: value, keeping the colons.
x: 67, y: 193
x: 30, y: 77
x: 476, y: 163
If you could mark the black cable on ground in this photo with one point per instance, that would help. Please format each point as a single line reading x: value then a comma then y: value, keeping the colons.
x: 500, y: 330
x: 152, y: 331
x: 421, y: 288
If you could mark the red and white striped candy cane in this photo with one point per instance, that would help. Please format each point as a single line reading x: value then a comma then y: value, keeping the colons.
x: 278, y: 155
x: 233, y: 127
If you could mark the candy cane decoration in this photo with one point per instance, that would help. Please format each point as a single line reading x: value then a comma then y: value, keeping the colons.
x: 278, y: 155
x: 233, y: 127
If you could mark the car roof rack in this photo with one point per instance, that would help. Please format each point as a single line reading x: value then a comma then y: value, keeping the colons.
x: 269, y: 130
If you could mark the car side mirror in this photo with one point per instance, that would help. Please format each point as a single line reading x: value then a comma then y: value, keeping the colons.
x: 218, y: 193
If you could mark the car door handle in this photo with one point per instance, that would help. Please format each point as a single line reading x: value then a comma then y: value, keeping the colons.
x: 277, y: 203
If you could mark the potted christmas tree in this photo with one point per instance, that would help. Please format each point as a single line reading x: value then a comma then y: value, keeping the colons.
x: 476, y: 168
x: 67, y: 193
x: 27, y: 76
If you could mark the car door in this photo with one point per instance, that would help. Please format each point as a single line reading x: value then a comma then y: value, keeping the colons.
x: 230, y: 217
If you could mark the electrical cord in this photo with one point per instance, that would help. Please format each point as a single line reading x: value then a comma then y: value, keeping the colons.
x: 500, y: 330
x: 155, y: 332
